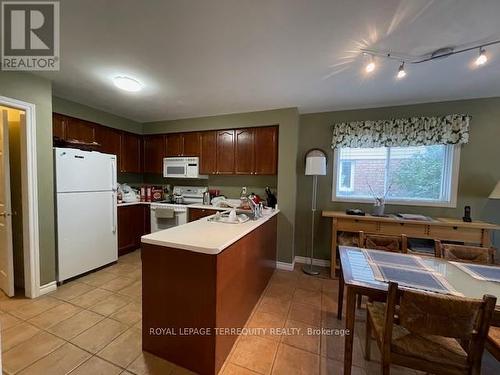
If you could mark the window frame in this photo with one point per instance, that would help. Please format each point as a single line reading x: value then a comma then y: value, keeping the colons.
x: 452, y: 169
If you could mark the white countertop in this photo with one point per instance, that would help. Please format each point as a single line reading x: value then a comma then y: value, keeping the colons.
x: 203, y: 236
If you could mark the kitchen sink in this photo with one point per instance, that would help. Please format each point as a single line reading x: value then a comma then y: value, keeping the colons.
x: 243, y: 216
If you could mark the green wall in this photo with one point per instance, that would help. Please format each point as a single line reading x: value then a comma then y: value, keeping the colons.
x: 288, y: 121
x: 479, y: 165
x: 69, y: 108
x: 38, y: 91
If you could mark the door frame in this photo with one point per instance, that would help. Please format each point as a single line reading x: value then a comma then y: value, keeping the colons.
x: 29, y: 182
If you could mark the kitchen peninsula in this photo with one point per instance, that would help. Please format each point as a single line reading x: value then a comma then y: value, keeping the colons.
x: 201, y: 278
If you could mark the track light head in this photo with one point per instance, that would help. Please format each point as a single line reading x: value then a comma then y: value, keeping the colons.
x: 401, y: 71
x: 370, y: 67
x: 482, y: 58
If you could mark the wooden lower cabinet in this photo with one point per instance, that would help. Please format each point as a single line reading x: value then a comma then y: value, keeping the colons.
x: 198, y: 213
x: 133, y: 222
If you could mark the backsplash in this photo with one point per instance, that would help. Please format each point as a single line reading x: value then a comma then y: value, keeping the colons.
x: 230, y: 186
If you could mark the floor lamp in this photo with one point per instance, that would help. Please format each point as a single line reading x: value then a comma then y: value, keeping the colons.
x: 315, y: 166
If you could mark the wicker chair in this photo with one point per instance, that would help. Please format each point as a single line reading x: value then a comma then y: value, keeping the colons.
x: 395, y: 244
x: 434, y: 333
x: 463, y: 253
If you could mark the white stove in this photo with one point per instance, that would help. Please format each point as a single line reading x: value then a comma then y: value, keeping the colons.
x: 166, y: 215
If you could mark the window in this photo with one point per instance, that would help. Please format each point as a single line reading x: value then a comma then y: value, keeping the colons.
x: 420, y: 175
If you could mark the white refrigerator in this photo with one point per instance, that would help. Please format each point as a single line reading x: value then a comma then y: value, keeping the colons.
x: 86, y: 211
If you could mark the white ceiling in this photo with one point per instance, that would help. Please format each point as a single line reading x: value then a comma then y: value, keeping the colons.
x: 209, y: 57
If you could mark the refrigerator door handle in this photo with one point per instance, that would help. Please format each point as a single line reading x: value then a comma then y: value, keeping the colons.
x: 113, y: 209
x: 113, y: 175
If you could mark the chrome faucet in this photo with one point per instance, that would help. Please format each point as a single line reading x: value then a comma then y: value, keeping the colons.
x: 256, y: 208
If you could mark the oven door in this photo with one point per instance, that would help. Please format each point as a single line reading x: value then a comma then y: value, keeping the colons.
x: 174, y: 168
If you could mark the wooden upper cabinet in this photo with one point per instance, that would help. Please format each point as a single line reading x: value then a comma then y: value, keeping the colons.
x: 154, y: 152
x: 244, y: 152
x: 130, y: 160
x: 59, y: 123
x: 191, y: 143
x: 80, y: 130
x: 109, y: 139
x: 266, y: 150
x: 225, y: 151
x: 208, y: 152
x: 175, y: 144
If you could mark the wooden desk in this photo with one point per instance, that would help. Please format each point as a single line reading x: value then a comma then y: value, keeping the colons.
x: 444, y: 229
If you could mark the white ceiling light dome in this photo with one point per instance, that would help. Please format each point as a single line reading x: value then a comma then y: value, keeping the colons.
x: 127, y: 83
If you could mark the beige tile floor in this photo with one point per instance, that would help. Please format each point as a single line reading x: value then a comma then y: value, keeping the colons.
x: 93, y: 326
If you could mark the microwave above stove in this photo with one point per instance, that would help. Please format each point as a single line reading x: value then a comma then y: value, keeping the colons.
x: 179, y: 167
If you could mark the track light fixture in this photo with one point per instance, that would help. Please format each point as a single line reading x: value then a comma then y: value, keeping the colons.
x: 438, y: 54
x: 401, y: 71
x: 482, y: 58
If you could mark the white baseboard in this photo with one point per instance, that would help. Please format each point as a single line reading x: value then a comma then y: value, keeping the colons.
x: 47, y: 288
x: 316, y: 262
x: 284, y: 266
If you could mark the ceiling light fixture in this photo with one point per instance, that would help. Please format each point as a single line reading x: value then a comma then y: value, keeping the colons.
x: 482, y: 58
x: 371, y: 65
x: 127, y: 83
x: 401, y: 71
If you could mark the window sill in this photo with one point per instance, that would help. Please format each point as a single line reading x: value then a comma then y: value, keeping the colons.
x: 445, y: 204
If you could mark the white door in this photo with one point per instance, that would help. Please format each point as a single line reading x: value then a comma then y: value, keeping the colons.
x: 6, y: 254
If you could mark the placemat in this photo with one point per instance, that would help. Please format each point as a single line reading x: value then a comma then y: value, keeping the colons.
x: 413, y: 278
x: 407, y: 270
x: 395, y: 259
x: 480, y: 272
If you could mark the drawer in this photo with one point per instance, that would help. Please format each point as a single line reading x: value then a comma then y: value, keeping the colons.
x: 409, y: 229
x: 471, y: 235
x: 356, y: 225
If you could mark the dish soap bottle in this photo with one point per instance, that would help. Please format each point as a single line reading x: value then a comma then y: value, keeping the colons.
x: 243, y: 197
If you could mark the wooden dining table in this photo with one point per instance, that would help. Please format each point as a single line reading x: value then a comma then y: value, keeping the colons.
x: 358, y: 278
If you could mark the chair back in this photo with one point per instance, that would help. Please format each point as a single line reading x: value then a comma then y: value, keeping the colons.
x: 395, y: 244
x: 444, y: 315
x: 470, y: 254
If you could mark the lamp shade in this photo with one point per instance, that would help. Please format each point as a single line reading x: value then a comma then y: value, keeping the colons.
x: 495, y: 194
x: 315, y: 163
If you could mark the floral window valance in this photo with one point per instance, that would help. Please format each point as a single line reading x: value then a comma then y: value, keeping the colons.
x: 413, y: 131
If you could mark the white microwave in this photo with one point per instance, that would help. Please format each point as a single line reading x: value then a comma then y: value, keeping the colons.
x: 182, y: 167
